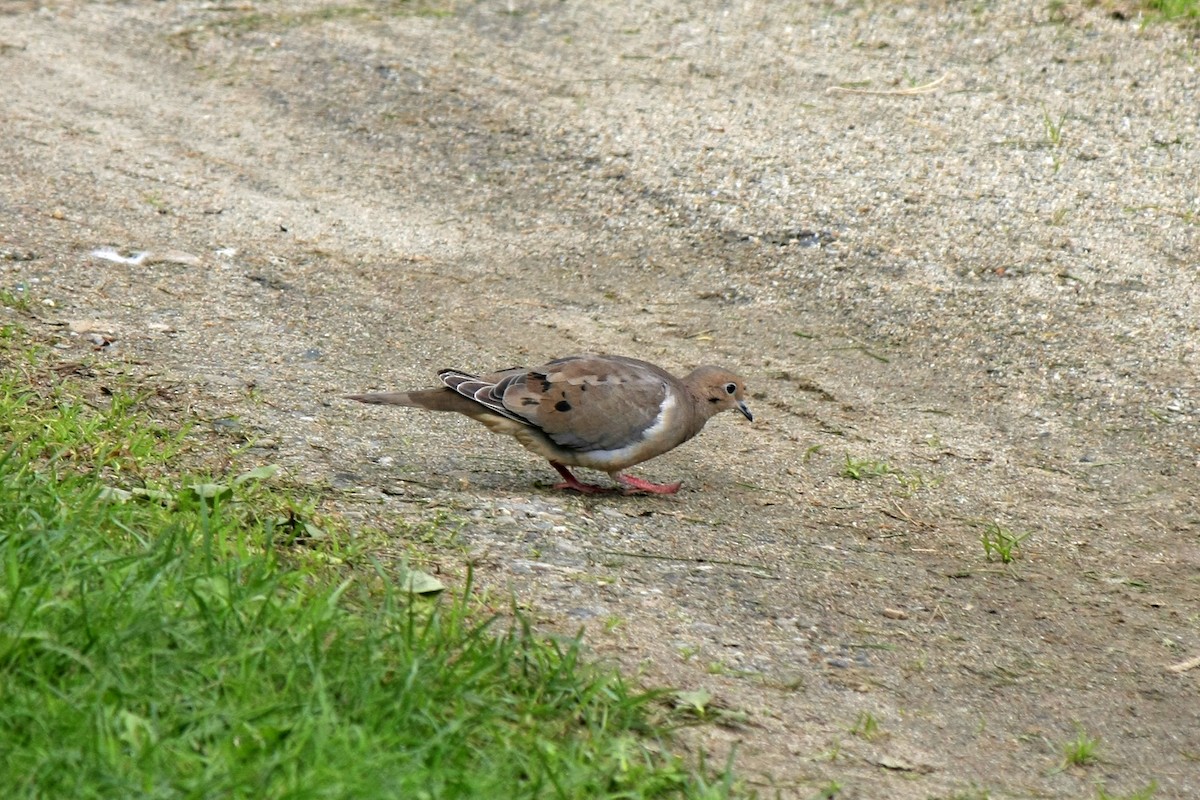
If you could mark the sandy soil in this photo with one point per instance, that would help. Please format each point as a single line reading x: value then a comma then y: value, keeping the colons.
x: 952, y: 243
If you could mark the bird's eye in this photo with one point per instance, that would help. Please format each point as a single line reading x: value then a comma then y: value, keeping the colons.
x: 730, y: 388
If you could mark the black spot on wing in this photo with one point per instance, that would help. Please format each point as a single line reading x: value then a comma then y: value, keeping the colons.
x: 562, y: 405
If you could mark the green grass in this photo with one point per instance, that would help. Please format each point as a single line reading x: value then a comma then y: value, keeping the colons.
x: 866, y: 726
x: 1145, y: 793
x: 1155, y: 10
x: 1174, y: 9
x: 861, y: 469
x: 14, y: 300
x: 165, y: 636
x: 1053, y: 127
x: 1000, y: 542
x: 829, y: 791
x: 1081, y: 751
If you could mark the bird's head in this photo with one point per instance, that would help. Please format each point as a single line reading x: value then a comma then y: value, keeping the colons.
x: 719, y: 390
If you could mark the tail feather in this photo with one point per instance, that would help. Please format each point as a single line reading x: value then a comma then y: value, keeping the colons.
x: 428, y: 399
x: 386, y: 398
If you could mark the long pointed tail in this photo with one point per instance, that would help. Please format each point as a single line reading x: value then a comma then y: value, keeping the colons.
x: 429, y: 399
x: 387, y: 398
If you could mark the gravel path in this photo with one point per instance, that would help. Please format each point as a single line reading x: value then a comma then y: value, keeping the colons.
x: 952, y: 247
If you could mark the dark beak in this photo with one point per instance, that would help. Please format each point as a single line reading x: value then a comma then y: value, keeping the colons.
x: 745, y: 409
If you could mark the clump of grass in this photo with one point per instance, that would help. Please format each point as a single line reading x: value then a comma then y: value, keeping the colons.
x: 1081, y: 751
x: 1053, y: 127
x: 13, y: 300
x: 829, y: 791
x: 1000, y: 542
x: 1145, y: 793
x: 866, y: 726
x: 863, y: 469
x: 860, y: 469
x: 169, y: 636
x: 972, y: 793
x: 1174, y: 9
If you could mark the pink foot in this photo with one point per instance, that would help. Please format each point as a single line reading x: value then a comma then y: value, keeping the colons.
x: 640, y: 485
x: 574, y: 483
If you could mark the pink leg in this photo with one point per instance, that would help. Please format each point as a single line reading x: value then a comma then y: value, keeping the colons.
x: 572, y: 482
x: 641, y: 485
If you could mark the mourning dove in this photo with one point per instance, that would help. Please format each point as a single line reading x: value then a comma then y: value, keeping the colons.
x: 595, y: 411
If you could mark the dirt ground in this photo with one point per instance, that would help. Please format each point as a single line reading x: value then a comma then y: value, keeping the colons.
x: 951, y: 246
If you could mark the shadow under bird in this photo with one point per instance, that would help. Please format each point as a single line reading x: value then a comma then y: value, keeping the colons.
x: 594, y: 411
